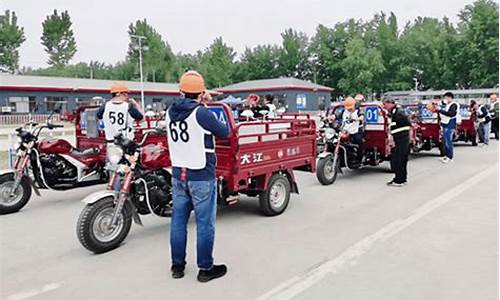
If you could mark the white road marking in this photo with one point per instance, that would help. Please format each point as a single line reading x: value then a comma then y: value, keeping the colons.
x: 295, y: 285
x: 30, y: 294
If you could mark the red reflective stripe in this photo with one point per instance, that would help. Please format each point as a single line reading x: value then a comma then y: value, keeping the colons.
x: 183, y: 174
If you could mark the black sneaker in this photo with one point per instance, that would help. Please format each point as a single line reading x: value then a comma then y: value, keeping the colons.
x: 216, y: 272
x: 177, y: 271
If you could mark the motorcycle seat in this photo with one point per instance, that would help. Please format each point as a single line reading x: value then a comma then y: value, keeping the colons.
x: 85, y: 152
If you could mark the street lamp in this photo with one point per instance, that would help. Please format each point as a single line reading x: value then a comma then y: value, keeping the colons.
x: 417, y: 75
x: 140, y: 47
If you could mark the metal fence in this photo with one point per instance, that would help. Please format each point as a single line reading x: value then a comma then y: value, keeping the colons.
x: 24, y: 118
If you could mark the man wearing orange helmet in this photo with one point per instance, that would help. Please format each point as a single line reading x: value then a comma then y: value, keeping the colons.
x: 351, y: 122
x: 119, y: 113
x: 191, y: 140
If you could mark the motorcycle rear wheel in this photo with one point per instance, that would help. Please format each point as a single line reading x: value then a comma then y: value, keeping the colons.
x: 11, y: 204
x: 93, y: 230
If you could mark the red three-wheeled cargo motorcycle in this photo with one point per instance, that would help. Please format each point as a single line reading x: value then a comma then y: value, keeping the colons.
x: 258, y: 159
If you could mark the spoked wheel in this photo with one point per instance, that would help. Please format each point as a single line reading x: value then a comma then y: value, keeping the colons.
x: 13, y: 199
x: 274, y: 200
x: 328, y: 169
x: 94, y: 229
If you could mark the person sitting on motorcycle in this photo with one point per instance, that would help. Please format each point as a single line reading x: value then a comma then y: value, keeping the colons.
x: 118, y: 114
x: 351, y: 122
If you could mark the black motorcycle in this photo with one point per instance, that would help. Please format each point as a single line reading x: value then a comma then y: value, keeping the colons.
x: 337, y: 153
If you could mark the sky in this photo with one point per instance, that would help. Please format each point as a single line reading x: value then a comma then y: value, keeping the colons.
x: 100, y: 26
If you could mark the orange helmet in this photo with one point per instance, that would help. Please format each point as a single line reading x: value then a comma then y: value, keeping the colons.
x: 119, y: 87
x: 349, y: 103
x: 192, y: 82
x: 253, y: 99
x: 430, y: 106
x: 359, y: 97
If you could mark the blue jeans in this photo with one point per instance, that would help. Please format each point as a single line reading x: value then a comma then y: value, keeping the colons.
x: 202, y: 197
x: 484, y: 132
x: 448, y: 141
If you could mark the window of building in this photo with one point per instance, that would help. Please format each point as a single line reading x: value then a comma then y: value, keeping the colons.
x: 56, y: 104
x: 33, y: 106
x: 89, y: 101
x: 19, y: 104
x: 301, y: 101
x: 321, y: 102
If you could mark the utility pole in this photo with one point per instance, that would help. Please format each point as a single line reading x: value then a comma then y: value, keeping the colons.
x: 139, y: 40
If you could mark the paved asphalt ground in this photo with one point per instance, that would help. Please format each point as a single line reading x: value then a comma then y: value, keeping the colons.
x: 436, y: 238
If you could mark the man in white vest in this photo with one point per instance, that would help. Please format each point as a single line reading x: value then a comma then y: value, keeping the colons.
x: 119, y: 113
x: 191, y: 140
x: 448, y: 115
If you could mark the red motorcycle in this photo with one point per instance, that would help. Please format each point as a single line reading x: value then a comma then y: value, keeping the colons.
x: 141, y: 185
x: 48, y: 163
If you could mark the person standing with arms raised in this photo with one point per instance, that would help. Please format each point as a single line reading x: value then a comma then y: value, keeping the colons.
x: 191, y: 140
x: 448, y: 115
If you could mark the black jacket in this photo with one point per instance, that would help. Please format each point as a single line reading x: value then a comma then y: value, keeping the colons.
x: 400, y: 124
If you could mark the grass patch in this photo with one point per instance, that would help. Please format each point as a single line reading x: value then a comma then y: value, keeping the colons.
x: 4, y: 160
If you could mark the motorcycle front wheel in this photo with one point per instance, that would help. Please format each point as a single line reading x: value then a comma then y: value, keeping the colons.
x: 94, y: 229
x: 328, y: 169
x: 13, y: 201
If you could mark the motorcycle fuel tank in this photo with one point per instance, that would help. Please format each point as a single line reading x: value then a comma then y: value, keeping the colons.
x: 54, y: 146
x: 155, y: 157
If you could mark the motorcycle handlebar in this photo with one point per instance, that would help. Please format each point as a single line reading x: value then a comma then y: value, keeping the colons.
x: 147, y: 133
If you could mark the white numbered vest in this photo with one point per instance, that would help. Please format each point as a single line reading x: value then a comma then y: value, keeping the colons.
x: 483, y: 119
x: 117, y: 119
x: 446, y: 119
x: 186, y: 142
x: 350, y: 125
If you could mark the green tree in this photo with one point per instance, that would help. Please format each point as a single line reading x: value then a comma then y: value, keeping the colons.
x: 58, y: 39
x: 261, y: 62
x: 185, y: 62
x: 11, y: 38
x: 217, y: 64
x: 94, y: 69
x: 382, y: 34
x: 479, y: 43
x: 361, y: 67
x: 158, y: 59
x: 293, y: 56
x: 124, y: 70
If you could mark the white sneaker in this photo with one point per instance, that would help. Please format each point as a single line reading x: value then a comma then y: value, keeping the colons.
x: 446, y: 160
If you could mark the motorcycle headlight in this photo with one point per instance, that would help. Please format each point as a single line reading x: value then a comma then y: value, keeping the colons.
x: 114, y: 154
x: 329, y: 133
